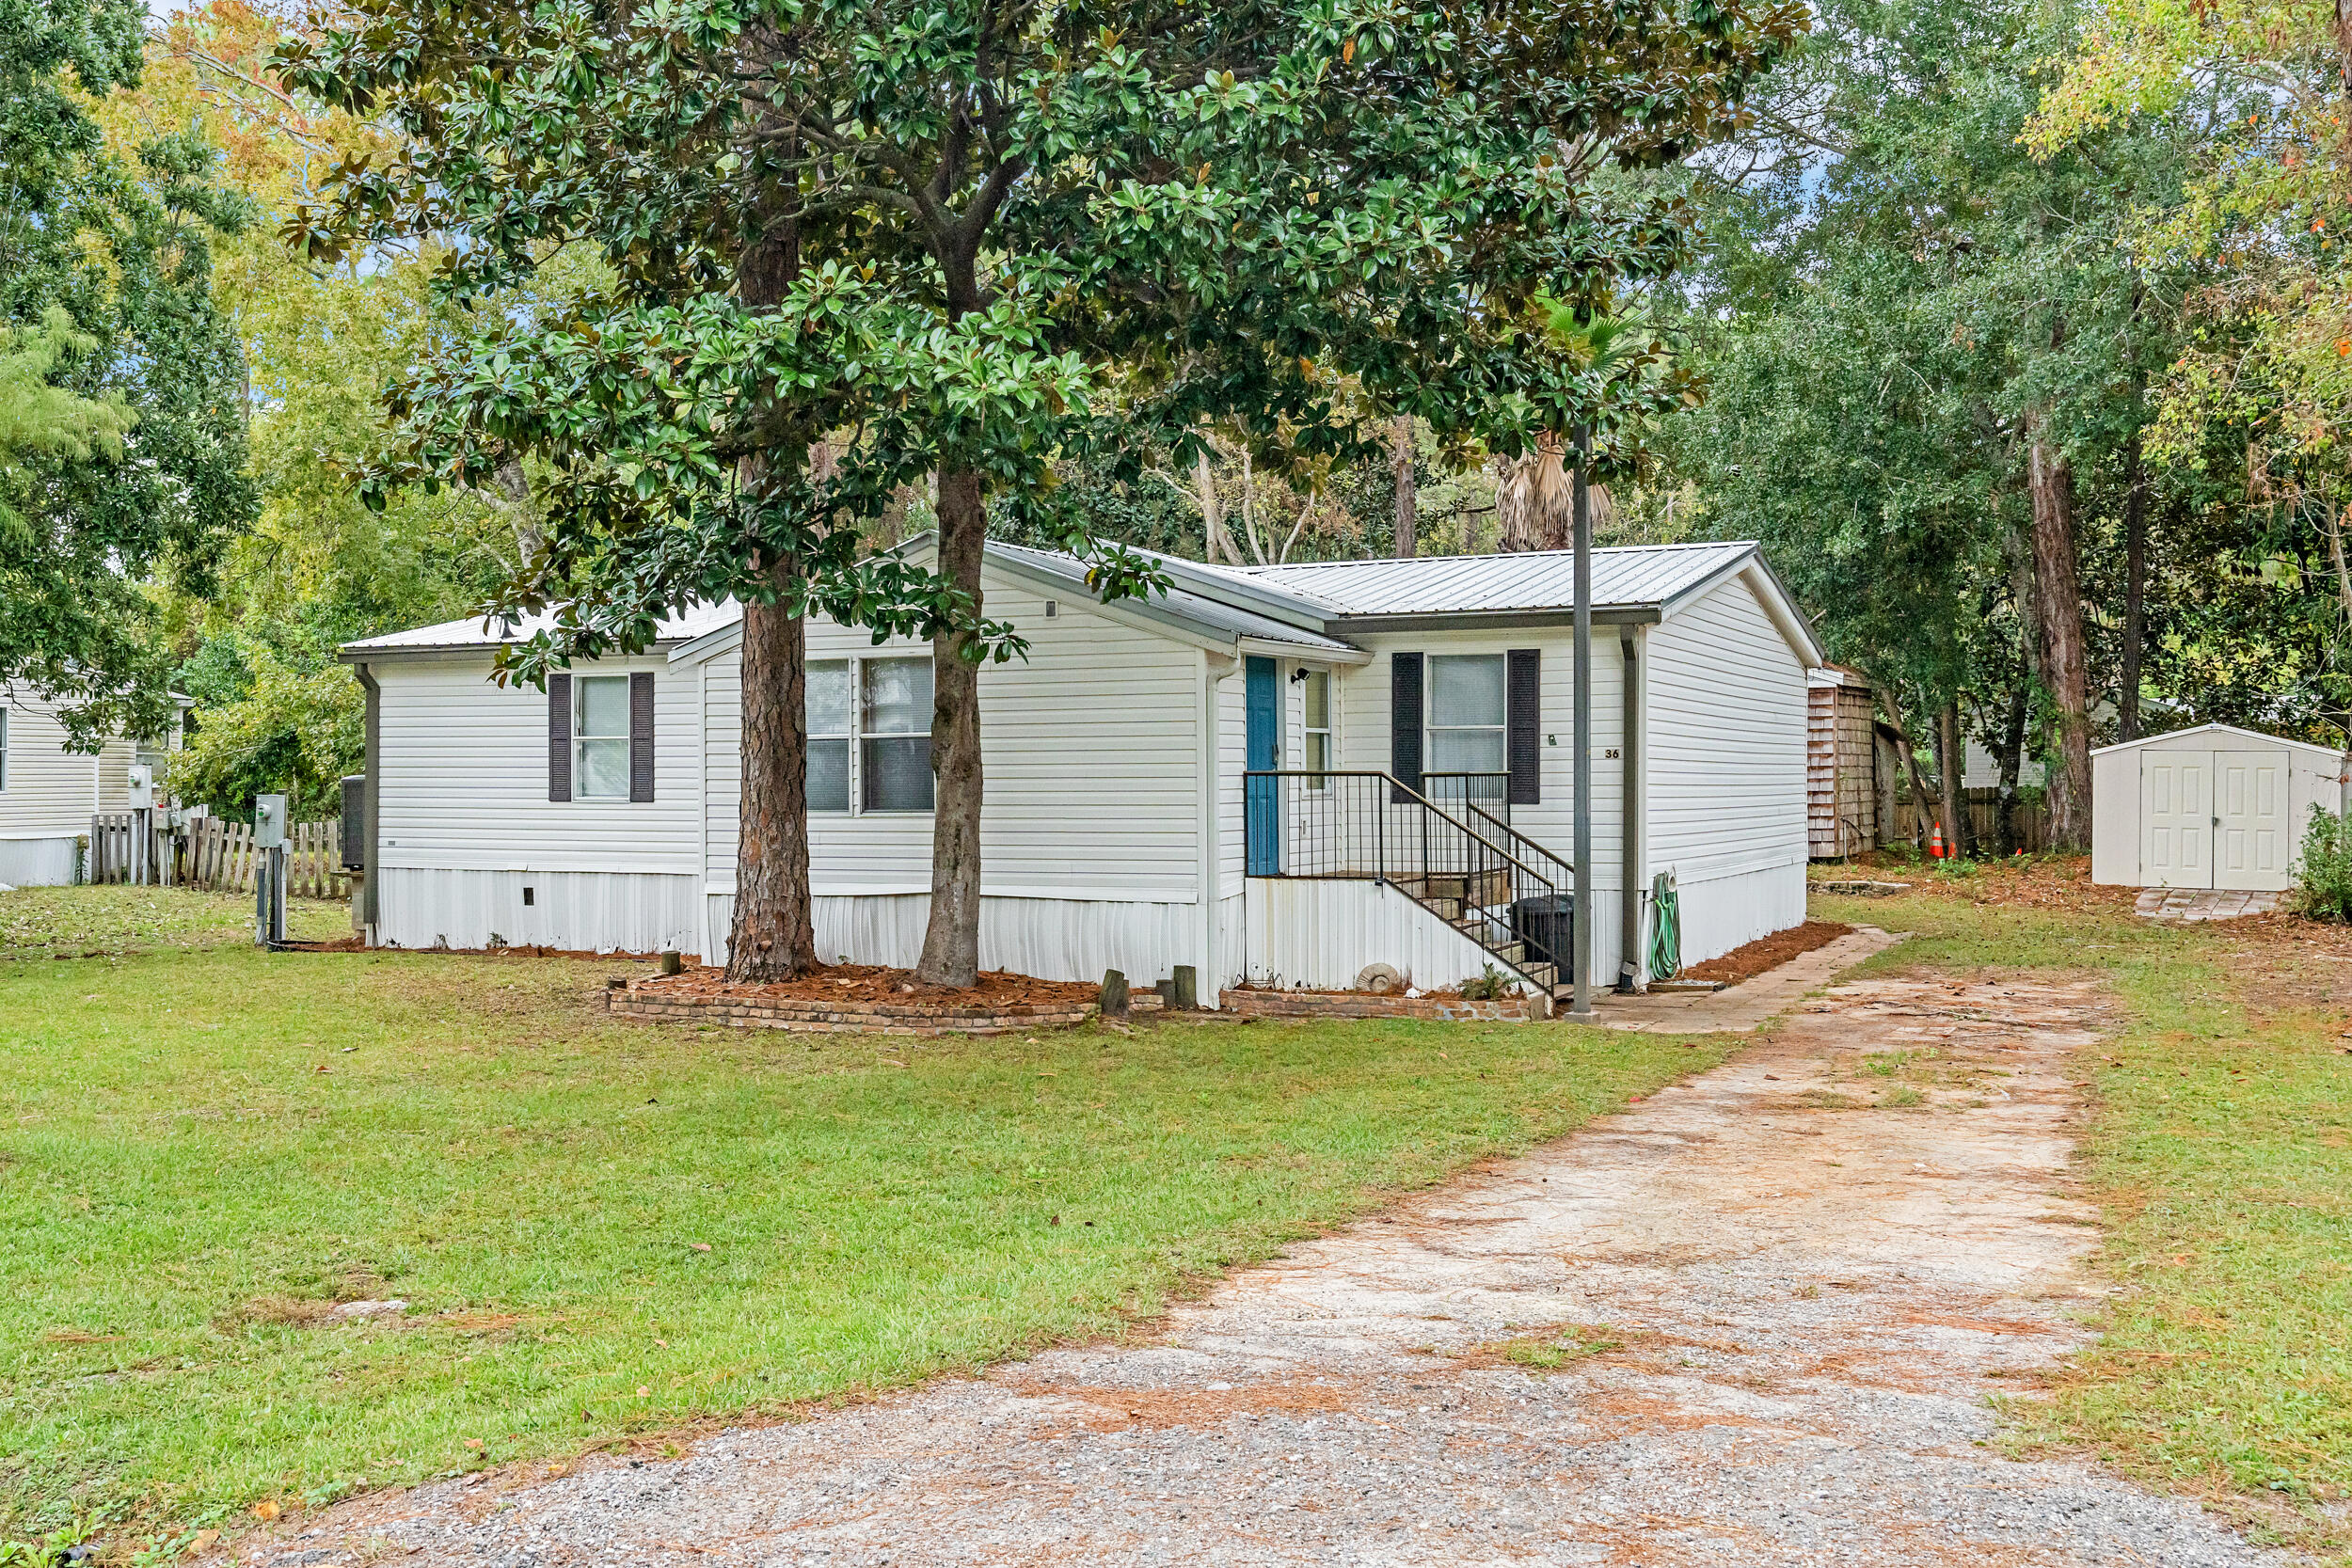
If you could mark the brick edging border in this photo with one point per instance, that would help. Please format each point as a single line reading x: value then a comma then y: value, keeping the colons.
x: 1352, y: 1004
x: 636, y: 1000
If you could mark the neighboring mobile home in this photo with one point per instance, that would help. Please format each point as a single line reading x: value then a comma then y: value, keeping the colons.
x: 49, y: 794
x: 1280, y: 775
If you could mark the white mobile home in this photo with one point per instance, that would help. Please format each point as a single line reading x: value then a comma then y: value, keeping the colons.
x: 1280, y: 775
x: 49, y: 794
x: 2210, y: 807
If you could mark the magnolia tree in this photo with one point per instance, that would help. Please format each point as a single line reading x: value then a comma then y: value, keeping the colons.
x: 850, y: 246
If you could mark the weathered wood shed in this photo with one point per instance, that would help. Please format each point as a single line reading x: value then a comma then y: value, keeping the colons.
x: 1841, y: 764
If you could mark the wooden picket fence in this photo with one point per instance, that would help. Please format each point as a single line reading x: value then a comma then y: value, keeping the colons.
x: 219, y: 855
x: 116, y: 854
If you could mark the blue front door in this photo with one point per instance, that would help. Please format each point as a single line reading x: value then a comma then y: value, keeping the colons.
x: 1261, y: 739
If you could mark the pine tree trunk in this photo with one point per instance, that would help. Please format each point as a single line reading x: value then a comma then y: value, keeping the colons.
x: 2059, y: 601
x: 1951, y: 751
x: 1401, y: 464
x: 772, y: 934
x: 2134, y: 587
x: 951, y: 943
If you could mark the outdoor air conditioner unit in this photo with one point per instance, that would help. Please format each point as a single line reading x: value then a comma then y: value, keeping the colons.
x: 355, y: 823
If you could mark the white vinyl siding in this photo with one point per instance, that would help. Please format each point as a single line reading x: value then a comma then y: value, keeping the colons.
x: 1089, y: 757
x: 1727, y: 709
x: 463, y: 776
x: 50, y: 791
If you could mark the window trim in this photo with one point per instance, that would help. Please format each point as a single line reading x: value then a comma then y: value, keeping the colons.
x: 1501, y: 729
x: 1308, y: 732
x: 848, y: 736
x: 581, y: 738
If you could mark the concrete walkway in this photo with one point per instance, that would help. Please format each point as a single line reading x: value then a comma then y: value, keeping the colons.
x: 1752, y: 1323
x: 2185, y: 903
x: 1750, y: 1005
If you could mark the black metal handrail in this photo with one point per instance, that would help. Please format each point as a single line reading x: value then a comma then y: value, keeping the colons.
x: 1471, y: 870
x: 1454, y: 791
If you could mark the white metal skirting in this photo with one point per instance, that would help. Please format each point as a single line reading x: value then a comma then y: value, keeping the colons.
x: 596, y: 911
x: 1321, y: 934
x: 1051, y: 939
x: 1720, y: 913
x: 38, y: 861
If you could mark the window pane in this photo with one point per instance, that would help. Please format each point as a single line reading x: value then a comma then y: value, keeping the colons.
x: 603, y: 707
x: 899, y: 772
x: 829, y: 697
x: 1318, y: 759
x: 898, y: 697
x: 1465, y: 689
x: 603, y: 773
x: 828, y: 774
x: 1318, y: 700
x: 1465, y: 750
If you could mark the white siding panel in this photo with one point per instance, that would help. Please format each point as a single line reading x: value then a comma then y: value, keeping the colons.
x: 1320, y: 935
x: 1089, y: 753
x: 599, y: 911
x: 1232, y: 761
x: 463, y: 784
x: 1727, y: 770
x: 49, y: 792
x: 1052, y: 939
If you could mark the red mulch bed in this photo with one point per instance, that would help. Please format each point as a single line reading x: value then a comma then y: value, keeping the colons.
x: 868, y: 982
x: 1745, y: 964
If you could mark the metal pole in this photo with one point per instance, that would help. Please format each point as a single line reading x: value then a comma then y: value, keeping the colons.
x: 1581, y: 1006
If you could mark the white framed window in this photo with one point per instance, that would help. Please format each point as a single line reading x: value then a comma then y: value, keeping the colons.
x: 1465, y: 714
x: 894, y: 734
x: 829, y: 735
x: 1316, y: 729
x: 600, y: 737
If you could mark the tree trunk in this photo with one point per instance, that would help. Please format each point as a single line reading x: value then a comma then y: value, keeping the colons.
x: 2332, y: 516
x: 951, y: 943
x: 1923, y: 800
x: 1218, y: 542
x: 2012, y: 767
x: 1401, y: 464
x: 1951, y: 761
x: 2059, y: 601
x: 773, y: 935
x: 2134, y: 587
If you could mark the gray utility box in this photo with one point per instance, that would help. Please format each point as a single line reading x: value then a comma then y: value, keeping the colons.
x: 1546, y: 925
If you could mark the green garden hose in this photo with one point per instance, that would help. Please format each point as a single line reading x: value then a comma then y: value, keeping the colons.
x: 1665, y: 928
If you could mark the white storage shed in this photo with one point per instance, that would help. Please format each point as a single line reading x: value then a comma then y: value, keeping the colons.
x: 2211, y: 807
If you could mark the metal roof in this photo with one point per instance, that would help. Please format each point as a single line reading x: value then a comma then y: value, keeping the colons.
x: 478, y: 632
x: 2219, y: 731
x: 1216, y: 614
x: 1624, y: 577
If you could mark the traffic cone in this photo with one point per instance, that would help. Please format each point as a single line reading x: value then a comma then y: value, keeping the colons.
x: 1936, y: 842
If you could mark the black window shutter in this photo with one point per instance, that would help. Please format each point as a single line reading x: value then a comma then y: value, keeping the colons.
x: 1405, y: 721
x: 641, y: 736
x: 559, y: 737
x: 1523, y: 725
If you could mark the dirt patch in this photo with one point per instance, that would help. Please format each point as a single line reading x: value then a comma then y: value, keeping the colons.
x: 1745, y: 964
x: 998, y: 991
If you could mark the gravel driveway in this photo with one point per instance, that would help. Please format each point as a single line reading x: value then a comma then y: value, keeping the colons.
x: 1753, y: 1321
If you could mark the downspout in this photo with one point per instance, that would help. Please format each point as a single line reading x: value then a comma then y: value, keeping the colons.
x: 1210, y: 877
x: 372, y: 882
x: 1629, y: 819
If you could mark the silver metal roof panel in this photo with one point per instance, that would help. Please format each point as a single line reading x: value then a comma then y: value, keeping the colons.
x: 1624, y: 577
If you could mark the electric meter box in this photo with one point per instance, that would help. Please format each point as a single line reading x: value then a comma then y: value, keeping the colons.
x: 269, y: 822
x: 142, y: 786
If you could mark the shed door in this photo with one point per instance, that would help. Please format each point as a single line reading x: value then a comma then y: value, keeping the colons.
x: 2175, y: 818
x: 2251, y: 838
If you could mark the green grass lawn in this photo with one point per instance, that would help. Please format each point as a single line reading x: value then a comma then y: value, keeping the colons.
x: 2219, y: 1146
x: 49, y: 922
x: 603, y: 1230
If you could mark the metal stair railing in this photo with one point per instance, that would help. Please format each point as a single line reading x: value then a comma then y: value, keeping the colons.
x: 1485, y: 881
